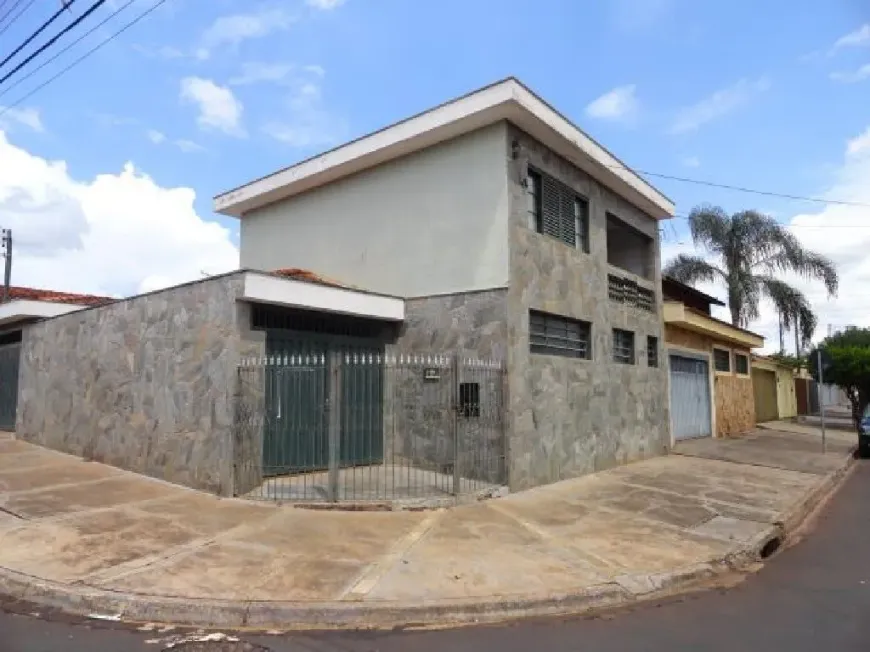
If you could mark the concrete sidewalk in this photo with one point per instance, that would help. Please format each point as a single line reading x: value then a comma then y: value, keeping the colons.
x: 91, y: 538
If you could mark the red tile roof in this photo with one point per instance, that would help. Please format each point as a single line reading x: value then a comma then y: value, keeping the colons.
x: 306, y: 275
x: 34, y: 294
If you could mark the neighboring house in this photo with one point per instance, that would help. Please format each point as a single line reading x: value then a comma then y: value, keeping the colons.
x: 509, y: 233
x: 774, y: 387
x: 25, y: 306
x: 710, y: 366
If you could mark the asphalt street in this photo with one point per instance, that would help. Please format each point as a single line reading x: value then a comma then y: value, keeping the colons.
x: 812, y: 596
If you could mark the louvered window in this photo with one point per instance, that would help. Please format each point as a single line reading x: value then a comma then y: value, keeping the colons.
x: 556, y: 210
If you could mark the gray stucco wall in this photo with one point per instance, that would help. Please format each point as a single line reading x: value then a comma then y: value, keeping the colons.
x: 431, y: 222
x: 569, y: 417
x: 145, y: 384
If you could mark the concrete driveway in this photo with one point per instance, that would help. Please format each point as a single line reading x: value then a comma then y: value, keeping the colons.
x: 89, y: 537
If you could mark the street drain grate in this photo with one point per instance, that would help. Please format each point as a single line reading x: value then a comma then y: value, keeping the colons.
x: 218, y: 646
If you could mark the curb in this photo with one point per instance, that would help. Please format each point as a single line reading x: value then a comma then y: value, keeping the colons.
x: 82, y: 600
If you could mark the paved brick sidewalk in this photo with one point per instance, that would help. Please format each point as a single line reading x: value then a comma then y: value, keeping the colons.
x: 89, y: 537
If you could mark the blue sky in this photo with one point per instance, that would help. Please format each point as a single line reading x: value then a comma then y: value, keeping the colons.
x: 203, y: 96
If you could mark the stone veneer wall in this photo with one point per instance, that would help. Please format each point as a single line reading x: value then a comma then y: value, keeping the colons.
x: 145, y: 384
x: 420, y: 422
x: 733, y: 398
x: 570, y: 417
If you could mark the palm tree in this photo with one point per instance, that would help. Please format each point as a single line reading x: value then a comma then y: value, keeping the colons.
x: 749, y: 250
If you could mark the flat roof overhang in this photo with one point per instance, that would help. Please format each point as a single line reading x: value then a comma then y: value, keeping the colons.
x: 23, y: 310
x: 507, y: 100
x: 274, y: 290
x: 679, y: 315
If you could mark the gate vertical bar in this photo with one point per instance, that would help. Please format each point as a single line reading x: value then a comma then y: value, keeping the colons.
x: 454, y: 409
x: 335, y: 370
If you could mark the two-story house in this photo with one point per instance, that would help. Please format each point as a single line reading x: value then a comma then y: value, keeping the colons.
x: 509, y: 233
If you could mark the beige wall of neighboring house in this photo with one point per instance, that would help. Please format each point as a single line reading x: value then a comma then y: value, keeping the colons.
x: 733, y: 399
x: 431, y: 222
x: 783, y: 377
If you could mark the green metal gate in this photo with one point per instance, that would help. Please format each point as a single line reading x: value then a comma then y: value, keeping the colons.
x: 9, y: 361
x: 296, y: 437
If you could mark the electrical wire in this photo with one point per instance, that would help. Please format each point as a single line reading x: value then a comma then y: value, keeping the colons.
x: 54, y: 39
x: 10, y: 10
x: 67, y: 48
x: 99, y: 45
x: 39, y: 31
x: 753, y: 191
x: 16, y: 16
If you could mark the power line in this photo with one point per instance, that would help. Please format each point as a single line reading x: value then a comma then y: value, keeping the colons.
x: 68, y: 47
x: 84, y: 56
x: 790, y: 226
x: 10, y: 10
x: 53, y: 40
x: 16, y: 16
x: 754, y: 191
x: 39, y: 31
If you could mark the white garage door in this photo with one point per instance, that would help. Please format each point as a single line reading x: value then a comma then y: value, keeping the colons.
x: 690, y: 397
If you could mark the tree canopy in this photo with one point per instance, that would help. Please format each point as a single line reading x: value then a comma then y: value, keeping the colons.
x: 751, y: 251
x: 849, y: 354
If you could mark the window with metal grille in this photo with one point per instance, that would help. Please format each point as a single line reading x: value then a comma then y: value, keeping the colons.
x: 623, y: 346
x: 555, y: 335
x: 556, y: 210
x: 652, y: 351
x: 722, y: 360
x: 469, y: 399
x: 741, y: 364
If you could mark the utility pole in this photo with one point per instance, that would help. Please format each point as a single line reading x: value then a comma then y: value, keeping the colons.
x: 821, y: 406
x: 6, y: 246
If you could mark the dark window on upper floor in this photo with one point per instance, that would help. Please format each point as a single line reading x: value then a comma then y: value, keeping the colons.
x: 556, y: 210
x: 556, y: 335
x: 629, y: 249
x: 623, y: 346
x: 10, y: 337
x: 741, y: 364
x: 722, y: 360
x: 652, y: 351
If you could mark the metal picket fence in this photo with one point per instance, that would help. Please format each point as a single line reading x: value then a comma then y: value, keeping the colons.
x: 348, y: 426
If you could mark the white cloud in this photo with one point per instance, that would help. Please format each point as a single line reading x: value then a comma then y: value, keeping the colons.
x: 859, y: 144
x: 155, y: 136
x: 306, y: 122
x: 218, y: 107
x: 324, y: 4
x: 717, y: 105
x: 28, y: 117
x: 840, y: 232
x: 692, y: 162
x: 618, y: 104
x: 854, y: 76
x: 256, y: 72
x: 116, y: 234
x: 188, y: 146
x: 859, y: 37
x: 230, y: 31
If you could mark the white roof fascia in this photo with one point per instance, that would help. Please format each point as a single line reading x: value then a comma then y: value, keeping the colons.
x: 507, y: 100
x: 274, y: 290
x: 26, y: 309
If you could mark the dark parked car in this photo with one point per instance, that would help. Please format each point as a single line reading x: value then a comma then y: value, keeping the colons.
x: 864, y: 434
